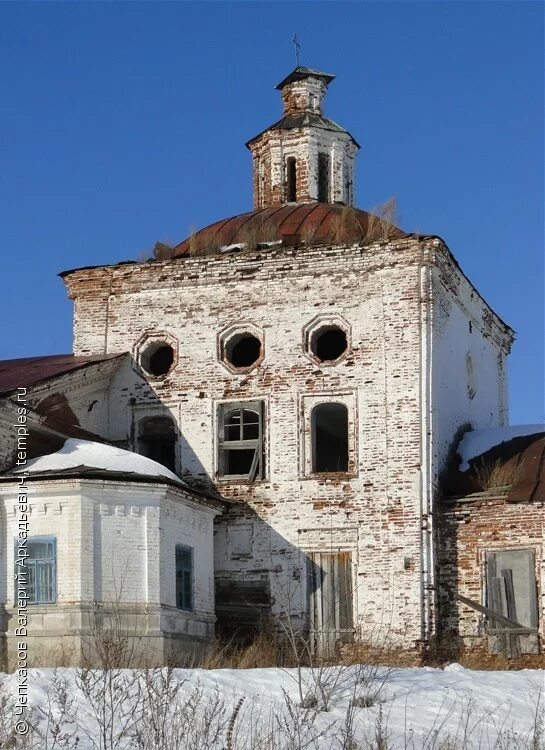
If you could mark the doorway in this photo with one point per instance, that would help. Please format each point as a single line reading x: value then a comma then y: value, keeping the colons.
x: 330, y: 601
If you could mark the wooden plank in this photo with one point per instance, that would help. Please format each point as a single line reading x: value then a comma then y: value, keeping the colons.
x: 491, y: 614
x: 507, y: 575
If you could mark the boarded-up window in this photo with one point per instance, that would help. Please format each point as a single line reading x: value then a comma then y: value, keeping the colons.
x: 511, y: 586
x: 291, y: 179
x: 330, y: 599
x: 323, y: 177
x: 240, y: 541
x: 157, y: 440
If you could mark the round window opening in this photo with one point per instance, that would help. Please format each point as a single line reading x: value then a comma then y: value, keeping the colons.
x: 243, y: 350
x: 157, y: 358
x: 328, y: 344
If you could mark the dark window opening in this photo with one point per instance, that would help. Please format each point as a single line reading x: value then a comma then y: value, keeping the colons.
x: 157, y: 359
x: 238, y: 461
x: 157, y: 440
x: 243, y: 350
x: 240, y: 442
x: 291, y: 179
x: 323, y: 178
x: 330, y: 438
x: 329, y: 343
x: 184, y: 577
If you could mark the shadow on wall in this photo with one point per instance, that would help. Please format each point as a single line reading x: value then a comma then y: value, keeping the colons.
x: 264, y: 581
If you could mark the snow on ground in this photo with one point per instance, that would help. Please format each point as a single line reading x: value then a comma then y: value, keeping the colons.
x: 476, y: 442
x: 471, y: 708
x: 76, y: 453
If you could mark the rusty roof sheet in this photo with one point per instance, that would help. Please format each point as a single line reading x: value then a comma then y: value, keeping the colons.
x: 321, y: 221
x: 26, y: 372
x: 522, y: 462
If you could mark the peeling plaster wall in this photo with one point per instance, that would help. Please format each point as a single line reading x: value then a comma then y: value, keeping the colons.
x: 271, y: 150
x: 470, y: 347
x: 376, y: 506
x: 373, y: 511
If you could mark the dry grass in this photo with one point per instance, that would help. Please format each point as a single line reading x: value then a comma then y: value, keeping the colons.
x: 347, y: 228
x: 382, y: 222
x: 254, y: 233
x: 266, y: 650
x: 199, y: 247
x: 308, y: 235
x: 384, y: 655
x: 478, y: 658
x: 496, y: 474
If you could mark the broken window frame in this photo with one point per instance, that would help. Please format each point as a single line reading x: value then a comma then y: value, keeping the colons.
x: 256, y: 444
x: 500, y: 593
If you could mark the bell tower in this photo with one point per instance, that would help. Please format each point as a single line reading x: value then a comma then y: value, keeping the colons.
x: 303, y: 157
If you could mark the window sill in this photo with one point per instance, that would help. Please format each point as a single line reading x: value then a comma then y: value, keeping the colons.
x: 243, y: 479
x: 331, y: 476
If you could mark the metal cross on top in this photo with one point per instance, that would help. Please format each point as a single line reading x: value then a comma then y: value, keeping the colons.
x: 297, y: 50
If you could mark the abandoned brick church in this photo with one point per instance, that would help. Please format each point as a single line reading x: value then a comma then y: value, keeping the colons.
x: 298, y: 410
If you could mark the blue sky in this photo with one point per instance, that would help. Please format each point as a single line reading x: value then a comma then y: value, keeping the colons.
x: 125, y: 123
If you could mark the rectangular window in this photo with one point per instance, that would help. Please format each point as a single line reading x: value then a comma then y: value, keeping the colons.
x: 184, y: 577
x: 329, y: 437
x: 240, y: 440
x: 41, y: 567
x: 291, y: 179
x: 511, y: 586
x: 323, y: 178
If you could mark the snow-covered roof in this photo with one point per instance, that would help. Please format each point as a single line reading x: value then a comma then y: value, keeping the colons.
x: 84, y: 453
x: 476, y: 442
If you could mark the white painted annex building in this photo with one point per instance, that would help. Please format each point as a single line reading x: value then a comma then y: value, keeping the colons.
x: 304, y: 372
x: 110, y: 526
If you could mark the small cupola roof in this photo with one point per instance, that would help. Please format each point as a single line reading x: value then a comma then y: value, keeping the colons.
x: 300, y: 73
x: 304, y: 156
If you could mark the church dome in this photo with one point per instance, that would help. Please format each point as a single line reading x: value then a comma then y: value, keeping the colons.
x: 310, y: 223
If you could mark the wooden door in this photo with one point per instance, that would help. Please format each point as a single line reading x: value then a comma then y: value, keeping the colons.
x: 330, y: 600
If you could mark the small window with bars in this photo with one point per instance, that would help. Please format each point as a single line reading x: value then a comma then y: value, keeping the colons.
x: 184, y: 577
x: 41, y: 566
x: 240, y: 440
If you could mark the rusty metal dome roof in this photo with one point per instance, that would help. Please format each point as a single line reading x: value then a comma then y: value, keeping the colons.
x: 315, y: 223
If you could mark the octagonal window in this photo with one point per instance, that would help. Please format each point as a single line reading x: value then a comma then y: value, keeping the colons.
x: 243, y: 350
x: 328, y: 343
x: 327, y: 339
x: 241, y: 347
x: 157, y: 358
